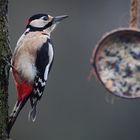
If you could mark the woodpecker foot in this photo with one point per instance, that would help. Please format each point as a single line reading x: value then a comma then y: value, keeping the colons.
x: 5, y: 60
x: 6, y: 65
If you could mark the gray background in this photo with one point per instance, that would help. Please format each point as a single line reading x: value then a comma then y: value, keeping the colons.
x: 73, y: 108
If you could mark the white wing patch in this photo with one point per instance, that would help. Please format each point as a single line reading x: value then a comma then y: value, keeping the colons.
x: 51, y: 54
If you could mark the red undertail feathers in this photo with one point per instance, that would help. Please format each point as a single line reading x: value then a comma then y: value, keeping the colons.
x: 23, y: 89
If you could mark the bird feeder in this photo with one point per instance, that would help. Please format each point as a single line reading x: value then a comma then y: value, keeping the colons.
x: 116, y: 58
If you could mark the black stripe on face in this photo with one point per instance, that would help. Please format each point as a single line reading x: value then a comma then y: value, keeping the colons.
x: 33, y: 29
x: 37, y: 16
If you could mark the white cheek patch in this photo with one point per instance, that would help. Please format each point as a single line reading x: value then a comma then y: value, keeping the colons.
x: 51, y: 54
x: 38, y: 23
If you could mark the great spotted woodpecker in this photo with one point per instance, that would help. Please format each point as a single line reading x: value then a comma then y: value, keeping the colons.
x: 31, y: 63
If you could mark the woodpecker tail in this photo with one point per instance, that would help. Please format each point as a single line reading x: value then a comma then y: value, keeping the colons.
x: 15, y: 112
x: 32, y: 112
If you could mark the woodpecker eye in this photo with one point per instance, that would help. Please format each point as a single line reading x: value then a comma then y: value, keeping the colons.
x: 45, y: 18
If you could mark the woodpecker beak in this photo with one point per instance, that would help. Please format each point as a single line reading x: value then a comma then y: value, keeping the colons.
x: 59, y: 18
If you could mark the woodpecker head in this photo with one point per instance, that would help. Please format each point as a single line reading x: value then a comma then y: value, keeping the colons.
x: 43, y: 22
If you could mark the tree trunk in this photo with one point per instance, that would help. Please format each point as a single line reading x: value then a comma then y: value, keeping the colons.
x: 5, y: 55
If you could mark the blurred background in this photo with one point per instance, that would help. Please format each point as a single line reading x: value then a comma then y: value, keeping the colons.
x: 73, y: 108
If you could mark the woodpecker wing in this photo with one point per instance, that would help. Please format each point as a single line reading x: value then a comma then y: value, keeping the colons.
x: 43, y: 65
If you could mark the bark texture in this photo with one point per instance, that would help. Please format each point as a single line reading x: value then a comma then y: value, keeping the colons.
x: 5, y: 54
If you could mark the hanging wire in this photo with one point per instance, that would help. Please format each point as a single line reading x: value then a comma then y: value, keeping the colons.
x: 134, y: 14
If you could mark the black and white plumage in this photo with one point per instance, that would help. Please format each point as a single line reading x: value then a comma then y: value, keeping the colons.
x: 43, y: 63
x: 32, y: 61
